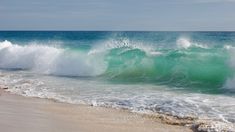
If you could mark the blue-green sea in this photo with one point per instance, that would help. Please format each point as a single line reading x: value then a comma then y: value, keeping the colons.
x: 177, y: 73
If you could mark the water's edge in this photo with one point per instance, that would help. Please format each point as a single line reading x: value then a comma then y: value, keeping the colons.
x: 194, y: 123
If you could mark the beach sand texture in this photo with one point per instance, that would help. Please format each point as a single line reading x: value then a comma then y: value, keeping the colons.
x: 25, y: 114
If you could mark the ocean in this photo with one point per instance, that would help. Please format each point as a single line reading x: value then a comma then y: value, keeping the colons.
x: 175, y: 73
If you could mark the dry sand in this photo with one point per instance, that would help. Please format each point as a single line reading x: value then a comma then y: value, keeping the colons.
x: 25, y: 114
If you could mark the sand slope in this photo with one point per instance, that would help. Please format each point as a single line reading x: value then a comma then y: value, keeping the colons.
x: 24, y: 114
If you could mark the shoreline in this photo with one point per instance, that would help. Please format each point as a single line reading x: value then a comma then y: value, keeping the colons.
x: 93, y: 116
x: 24, y: 114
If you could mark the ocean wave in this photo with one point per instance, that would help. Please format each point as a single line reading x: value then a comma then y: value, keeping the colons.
x: 49, y: 60
x: 125, y: 60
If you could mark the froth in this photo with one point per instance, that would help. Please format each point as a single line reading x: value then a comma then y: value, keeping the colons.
x: 25, y: 57
x: 49, y: 60
x: 185, y: 43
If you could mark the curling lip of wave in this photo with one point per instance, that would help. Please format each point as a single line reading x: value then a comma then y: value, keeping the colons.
x: 124, y: 43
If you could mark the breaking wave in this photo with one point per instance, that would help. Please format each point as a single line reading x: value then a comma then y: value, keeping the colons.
x: 190, y: 64
x: 49, y: 60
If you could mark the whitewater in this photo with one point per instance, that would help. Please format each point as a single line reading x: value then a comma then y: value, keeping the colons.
x: 183, y: 74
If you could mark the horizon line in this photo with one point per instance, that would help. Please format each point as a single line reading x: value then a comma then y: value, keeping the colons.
x: 122, y: 30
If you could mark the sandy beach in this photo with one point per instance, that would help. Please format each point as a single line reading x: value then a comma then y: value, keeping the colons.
x: 25, y: 114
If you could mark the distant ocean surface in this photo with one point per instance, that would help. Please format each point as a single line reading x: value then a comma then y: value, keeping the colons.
x: 177, y: 73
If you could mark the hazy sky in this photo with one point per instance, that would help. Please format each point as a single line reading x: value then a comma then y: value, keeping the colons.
x: 117, y: 15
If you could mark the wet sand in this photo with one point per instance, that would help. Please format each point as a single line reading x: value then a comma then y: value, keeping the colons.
x: 25, y: 114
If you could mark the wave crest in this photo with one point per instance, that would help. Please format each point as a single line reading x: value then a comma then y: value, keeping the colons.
x: 185, y: 43
x: 125, y: 44
x: 50, y: 60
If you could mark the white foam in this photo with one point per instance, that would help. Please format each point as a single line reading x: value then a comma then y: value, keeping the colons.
x: 214, y: 126
x: 50, y: 60
x: 144, y: 98
x: 227, y: 47
x: 185, y: 43
x: 5, y: 44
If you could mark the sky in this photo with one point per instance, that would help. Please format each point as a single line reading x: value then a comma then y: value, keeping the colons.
x: 123, y: 15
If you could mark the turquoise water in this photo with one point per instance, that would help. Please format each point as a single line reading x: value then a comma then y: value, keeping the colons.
x: 197, y: 61
x: 134, y: 70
